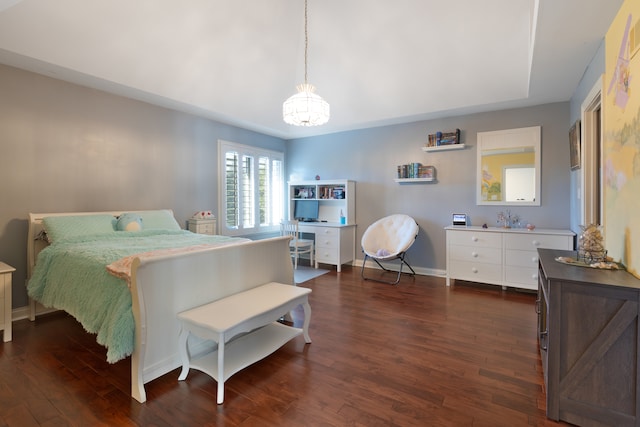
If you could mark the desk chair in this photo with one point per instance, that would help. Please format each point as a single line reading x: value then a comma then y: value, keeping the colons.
x: 297, y: 246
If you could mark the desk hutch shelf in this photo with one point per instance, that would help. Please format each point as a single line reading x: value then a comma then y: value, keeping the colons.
x: 334, y: 197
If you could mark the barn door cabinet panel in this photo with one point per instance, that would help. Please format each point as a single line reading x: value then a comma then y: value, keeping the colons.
x: 588, y: 336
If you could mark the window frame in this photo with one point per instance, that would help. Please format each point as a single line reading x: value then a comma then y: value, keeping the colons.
x: 275, y: 197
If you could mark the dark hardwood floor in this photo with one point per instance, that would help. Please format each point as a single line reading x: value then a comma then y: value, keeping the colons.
x: 413, y: 354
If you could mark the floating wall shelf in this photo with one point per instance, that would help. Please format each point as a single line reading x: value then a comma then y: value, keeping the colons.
x: 412, y: 180
x: 444, y: 147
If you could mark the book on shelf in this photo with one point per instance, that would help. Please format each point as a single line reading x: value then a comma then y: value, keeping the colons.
x: 415, y: 170
x: 443, y: 138
x: 332, y: 192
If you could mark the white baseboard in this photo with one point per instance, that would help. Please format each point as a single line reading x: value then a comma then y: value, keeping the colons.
x: 394, y: 266
x: 20, y: 313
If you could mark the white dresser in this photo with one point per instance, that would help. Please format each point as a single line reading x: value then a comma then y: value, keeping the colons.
x: 500, y: 256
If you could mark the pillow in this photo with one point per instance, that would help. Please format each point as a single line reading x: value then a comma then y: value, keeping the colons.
x: 381, y: 253
x: 129, y: 222
x: 159, y: 220
x: 64, y: 227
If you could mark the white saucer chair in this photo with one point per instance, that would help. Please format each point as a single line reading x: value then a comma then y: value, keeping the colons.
x: 297, y: 246
x: 389, y: 239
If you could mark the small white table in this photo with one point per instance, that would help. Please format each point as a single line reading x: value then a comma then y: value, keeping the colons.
x: 6, y: 272
x: 254, y: 311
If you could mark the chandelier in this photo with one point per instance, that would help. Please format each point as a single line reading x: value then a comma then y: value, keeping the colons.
x: 305, y: 108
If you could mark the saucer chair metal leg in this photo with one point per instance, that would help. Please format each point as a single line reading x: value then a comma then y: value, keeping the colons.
x: 402, y: 261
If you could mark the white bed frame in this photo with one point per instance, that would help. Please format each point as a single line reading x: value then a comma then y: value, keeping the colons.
x: 164, y: 286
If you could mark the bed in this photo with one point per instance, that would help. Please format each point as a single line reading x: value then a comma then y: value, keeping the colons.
x: 126, y: 285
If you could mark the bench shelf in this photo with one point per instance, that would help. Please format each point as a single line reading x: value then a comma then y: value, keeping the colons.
x: 244, y: 326
x: 246, y: 350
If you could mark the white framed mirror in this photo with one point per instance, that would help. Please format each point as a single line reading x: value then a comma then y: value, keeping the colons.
x: 508, y: 167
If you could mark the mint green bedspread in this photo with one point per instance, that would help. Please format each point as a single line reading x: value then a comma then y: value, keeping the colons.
x: 71, y: 275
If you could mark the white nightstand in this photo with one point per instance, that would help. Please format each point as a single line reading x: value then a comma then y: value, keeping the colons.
x: 203, y: 226
x: 5, y: 300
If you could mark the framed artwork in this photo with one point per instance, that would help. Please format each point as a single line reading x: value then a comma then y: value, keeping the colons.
x: 574, y: 145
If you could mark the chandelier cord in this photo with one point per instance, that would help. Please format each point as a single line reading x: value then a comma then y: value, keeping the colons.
x: 306, y: 41
x: 305, y: 108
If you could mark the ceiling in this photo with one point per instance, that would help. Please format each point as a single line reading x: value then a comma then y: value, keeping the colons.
x: 375, y: 62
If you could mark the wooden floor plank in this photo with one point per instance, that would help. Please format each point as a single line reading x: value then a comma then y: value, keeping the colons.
x: 418, y: 353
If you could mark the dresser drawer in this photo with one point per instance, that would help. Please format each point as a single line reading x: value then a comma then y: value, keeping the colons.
x: 327, y: 231
x: 476, y: 254
x: 475, y: 271
x: 523, y: 277
x: 326, y: 255
x: 205, y: 229
x: 202, y: 226
x: 475, y: 238
x: 328, y: 239
x: 521, y: 258
x: 532, y: 242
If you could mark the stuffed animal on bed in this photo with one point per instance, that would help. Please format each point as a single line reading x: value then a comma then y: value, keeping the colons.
x: 129, y: 222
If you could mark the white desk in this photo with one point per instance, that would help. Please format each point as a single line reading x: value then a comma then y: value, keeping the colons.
x: 335, y: 242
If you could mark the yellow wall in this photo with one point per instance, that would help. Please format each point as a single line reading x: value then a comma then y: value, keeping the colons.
x: 621, y: 150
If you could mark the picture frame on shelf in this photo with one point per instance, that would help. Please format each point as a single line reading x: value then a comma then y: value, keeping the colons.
x: 427, y: 172
x: 305, y: 193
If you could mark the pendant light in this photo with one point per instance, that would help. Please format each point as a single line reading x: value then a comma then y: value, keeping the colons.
x: 305, y: 108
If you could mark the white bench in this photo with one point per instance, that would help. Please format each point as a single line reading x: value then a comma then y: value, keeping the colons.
x: 253, y: 315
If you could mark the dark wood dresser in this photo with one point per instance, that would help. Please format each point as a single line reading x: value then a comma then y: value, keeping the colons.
x: 588, y: 335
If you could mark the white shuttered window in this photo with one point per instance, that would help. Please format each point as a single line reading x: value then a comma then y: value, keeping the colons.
x: 251, y: 188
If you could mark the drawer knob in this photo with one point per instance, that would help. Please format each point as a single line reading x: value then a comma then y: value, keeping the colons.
x: 474, y: 254
x: 475, y: 270
x: 534, y: 276
x: 534, y: 259
x: 536, y: 243
x: 474, y: 239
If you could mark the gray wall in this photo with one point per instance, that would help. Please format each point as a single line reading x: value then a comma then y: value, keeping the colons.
x: 68, y: 148
x: 370, y: 156
x: 593, y: 72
